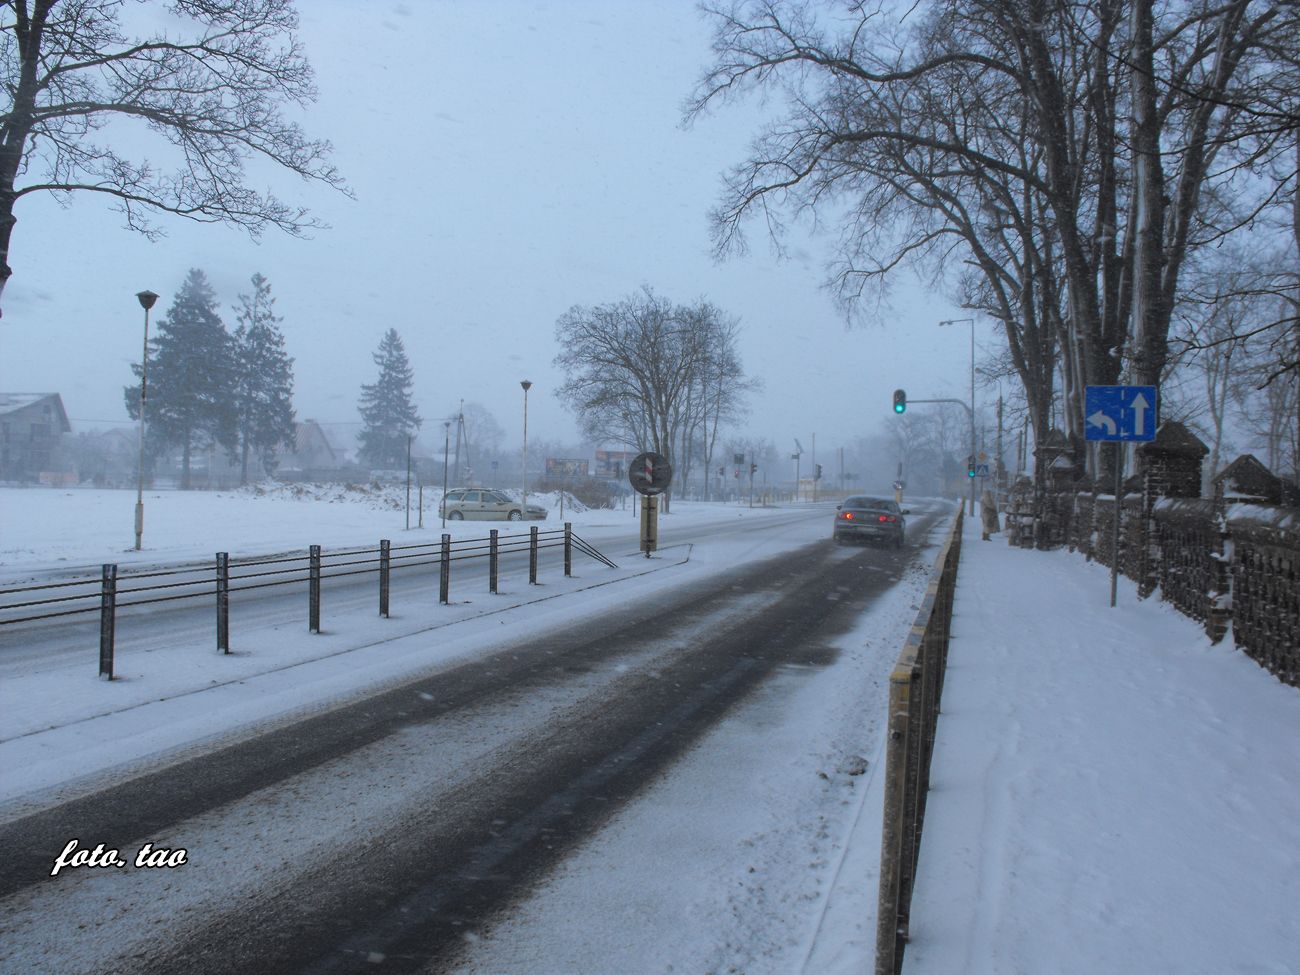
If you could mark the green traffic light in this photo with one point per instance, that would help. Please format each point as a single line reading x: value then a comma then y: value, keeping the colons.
x: 900, y: 401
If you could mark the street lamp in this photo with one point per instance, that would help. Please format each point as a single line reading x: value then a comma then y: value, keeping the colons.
x: 524, y: 477
x: 146, y: 299
x: 446, y: 440
x: 971, y: 323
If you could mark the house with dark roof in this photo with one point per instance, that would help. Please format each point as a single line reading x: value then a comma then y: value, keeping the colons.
x: 32, y: 426
x: 315, y: 455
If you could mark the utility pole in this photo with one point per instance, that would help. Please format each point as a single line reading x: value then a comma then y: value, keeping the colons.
x: 460, y: 428
x: 798, y: 453
x: 973, y: 449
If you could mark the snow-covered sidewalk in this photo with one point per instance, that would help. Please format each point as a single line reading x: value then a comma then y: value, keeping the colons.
x: 1110, y: 791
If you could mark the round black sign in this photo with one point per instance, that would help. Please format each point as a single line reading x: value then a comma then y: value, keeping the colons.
x: 650, y: 473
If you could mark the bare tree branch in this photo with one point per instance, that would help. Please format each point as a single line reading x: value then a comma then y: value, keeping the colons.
x: 215, y: 101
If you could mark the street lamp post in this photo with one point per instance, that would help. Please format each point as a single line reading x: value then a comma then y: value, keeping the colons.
x: 524, y: 475
x: 408, y: 482
x: 971, y: 323
x: 446, y: 441
x: 146, y: 299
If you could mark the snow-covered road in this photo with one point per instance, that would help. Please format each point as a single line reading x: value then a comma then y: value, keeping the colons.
x: 378, y: 816
x: 1127, y: 811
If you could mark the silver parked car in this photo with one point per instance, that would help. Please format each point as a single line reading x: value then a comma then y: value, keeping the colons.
x: 483, y: 504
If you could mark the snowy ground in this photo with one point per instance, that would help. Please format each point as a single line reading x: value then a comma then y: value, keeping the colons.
x: 1110, y: 791
x: 757, y: 853
x: 59, y: 723
x: 61, y: 530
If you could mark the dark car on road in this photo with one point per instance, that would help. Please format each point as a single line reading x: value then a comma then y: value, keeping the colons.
x: 866, y: 519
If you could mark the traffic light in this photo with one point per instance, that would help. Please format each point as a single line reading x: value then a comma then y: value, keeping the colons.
x: 753, y: 469
x: 817, y: 474
x: 900, y: 401
x: 970, y: 466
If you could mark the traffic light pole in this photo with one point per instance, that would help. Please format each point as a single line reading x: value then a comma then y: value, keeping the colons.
x: 970, y: 413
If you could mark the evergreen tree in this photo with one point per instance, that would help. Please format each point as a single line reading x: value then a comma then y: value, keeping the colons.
x: 387, y: 412
x: 189, y: 403
x: 263, y: 381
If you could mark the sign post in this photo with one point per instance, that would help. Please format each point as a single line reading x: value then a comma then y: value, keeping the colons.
x: 650, y: 474
x: 1119, y: 415
x: 650, y: 524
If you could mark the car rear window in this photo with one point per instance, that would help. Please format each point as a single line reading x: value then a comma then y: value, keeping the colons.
x: 865, y: 502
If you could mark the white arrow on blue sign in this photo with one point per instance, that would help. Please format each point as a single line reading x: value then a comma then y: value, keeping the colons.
x: 1119, y: 412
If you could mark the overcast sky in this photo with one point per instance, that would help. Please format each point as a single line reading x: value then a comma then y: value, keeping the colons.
x: 510, y: 160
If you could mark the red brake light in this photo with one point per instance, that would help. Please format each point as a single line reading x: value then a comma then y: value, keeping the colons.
x: 847, y: 516
x: 888, y: 518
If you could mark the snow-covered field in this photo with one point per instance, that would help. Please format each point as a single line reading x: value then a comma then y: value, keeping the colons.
x: 59, y: 529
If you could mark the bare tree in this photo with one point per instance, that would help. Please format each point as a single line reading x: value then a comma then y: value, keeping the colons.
x: 1097, y: 143
x: 717, y: 397
x: 1215, y: 338
x: 650, y: 374
x: 1267, y: 397
x: 213, y: 99
x: 483, y: 433
x: 1269, y: 408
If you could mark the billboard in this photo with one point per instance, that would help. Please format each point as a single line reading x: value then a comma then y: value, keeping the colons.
x: 612, y: 464
x: 566, y: 467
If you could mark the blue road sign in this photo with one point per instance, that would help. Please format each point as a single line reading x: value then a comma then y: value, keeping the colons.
x: 1119, y: 413
x: 981, y: 470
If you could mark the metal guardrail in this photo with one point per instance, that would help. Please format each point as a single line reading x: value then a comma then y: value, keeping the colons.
x: 225, y: 576
x: 915, y: 687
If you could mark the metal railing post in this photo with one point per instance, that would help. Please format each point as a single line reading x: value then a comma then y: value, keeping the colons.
x: 568, y: 549
x: 223, y: 602
x: 532, y: 555
x: 444, y: 571
x: 493, y: 556
x: 385, y: 566
x: 107, y: 620
x: 313, y: 590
